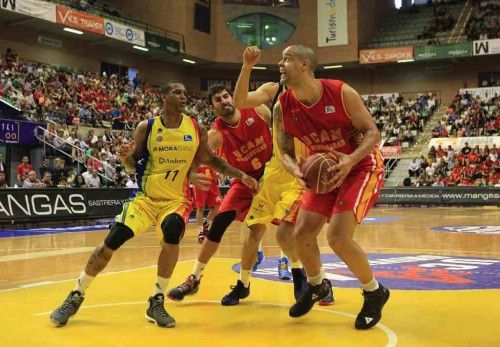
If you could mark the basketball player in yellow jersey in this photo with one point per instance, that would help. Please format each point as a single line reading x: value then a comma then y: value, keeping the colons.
x: 278, y: 198
x: 163, y: 150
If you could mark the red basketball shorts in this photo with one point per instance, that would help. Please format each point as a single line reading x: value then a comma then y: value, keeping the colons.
x: 358, y: 193
x: 238, y: 198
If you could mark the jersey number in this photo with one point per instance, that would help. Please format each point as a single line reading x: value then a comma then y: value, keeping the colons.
x: 175, y: 173
x: 256, y: 164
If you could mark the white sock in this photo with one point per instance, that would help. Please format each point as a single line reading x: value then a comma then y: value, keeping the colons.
x: 282, y: 254
x: 83, y: 282
x: 296, y: 264
x: 160, y: 285
x: 198, y: 269
x: 371, y: 286
x: 245, y: 277
x: 260, y: 246
x: 315, y: 280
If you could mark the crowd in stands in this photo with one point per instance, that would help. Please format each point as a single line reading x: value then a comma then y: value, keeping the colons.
x: 485, y: 20
x: 470, y: 116
x: 95, y: 6
x: 441, y: 22
x: 449, y: 167
x: 400, y: 119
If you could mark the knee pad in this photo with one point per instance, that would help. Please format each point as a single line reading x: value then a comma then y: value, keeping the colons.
x: 119, y: 234
x: 172, y: 228
x: 219, y: 225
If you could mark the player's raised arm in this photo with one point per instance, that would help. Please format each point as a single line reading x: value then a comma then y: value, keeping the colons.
x: 263, y: 95
x: 130, y: 153
x: 362, y: 121
x: 286, y: 145
x: 205, y: 156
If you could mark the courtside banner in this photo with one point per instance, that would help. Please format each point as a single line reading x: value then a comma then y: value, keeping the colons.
x: 385, y: 55
x: 23, y: 205
x: 79, y: 20
x: 389, y: 152
x: 466, y: 196
x: 486, y: 47
x: 332, y: 23
x: 486, y: 92
x: 124, y: 32
x: 33, y: 8
x: 457, y: 143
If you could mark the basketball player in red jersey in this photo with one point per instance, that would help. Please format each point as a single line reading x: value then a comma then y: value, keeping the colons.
x: 243, y: 138
x: 322, y: 114
x: 210, y: 197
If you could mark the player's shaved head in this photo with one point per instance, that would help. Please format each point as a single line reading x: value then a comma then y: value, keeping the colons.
x: 305, y: 53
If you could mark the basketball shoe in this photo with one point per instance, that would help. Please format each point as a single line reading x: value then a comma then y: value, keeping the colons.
x: 260, y: 259
x: 311, y: 296
x: 189, y: 287
x: 156, y: 312
x: 238, y: 292
x: 283, y: 272
x: 69, y: 307
x: 371, y: 312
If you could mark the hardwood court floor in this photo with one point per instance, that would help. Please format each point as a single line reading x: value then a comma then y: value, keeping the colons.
x: 37, y: 272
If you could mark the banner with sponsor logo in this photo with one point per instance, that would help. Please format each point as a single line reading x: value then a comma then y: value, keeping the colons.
x: 124, y: 32
x: 57, y: 204
x: 386, y: 96
x: 33, y: 8
x: 206, y: 83
x: 385, y: 55
x: 162, y: 43
x: 332, y: 23
x: 440, y: 196
x: 453, y: 50
x: 486, y: 47
x: 79, y: 20
x: 482, y: 92
x: 18, y: 132
x: 459, y: 142
x: 389, y: 152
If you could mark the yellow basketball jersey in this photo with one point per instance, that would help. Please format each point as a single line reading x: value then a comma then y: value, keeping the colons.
x: 163, y: 169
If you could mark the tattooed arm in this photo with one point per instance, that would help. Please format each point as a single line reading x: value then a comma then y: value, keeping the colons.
x: 286, y: 145
x: 205, y: 156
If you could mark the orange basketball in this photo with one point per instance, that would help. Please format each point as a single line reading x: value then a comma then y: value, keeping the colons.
x: 316, y: 175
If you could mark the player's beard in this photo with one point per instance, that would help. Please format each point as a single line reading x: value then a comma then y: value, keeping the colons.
x: 227, y: 111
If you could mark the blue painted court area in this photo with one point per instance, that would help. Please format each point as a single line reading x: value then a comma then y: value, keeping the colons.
x: 102, y: 225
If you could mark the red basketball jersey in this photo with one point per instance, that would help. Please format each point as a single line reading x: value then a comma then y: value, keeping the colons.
x: 208, y: 171
x: 247, y: 145
x: 324, y: 125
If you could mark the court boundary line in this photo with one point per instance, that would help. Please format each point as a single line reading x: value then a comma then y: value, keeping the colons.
x: 392, y: 337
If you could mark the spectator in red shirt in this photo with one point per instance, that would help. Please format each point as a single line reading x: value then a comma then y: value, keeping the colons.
x: 23, y: 169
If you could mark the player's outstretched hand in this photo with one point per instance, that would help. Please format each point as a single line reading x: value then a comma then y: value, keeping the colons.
x: 342, y: 169
x: 250, y: 182
x: 126, y: 149
x: 200, y: 180
x: 251, y: 56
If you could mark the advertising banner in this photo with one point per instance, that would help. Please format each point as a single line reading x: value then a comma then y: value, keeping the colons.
x: 124, y: 32
x: 162, y: 43
x: 454, y: 50
x: 18, y: 132
x: 332, y: 23
x: 385, y: 55
x: 482, y: 92
x: 389, y: 152
x: 33, y: 8
x: 440, y: 196
x: 58, y: 204
x: 458, y: 143
x: 79, y: 20
x: 486, y: 47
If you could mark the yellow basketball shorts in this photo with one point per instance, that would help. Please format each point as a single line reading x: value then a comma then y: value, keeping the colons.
x: 278, y: 198
x: 141, y: 212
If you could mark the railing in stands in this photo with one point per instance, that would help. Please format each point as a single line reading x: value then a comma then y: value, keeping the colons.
x: 42, y: 133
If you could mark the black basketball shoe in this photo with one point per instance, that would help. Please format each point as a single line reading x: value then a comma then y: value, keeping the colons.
x: 371, y: 312
x: 238, y: 292
x: 189, y: 287
x: 311, y: 296
x: 69, y: 307
x: 157, y: 314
